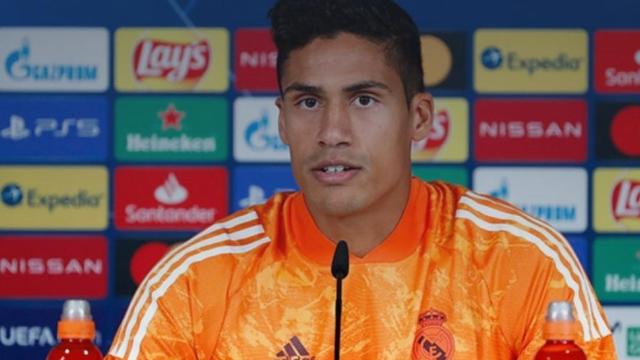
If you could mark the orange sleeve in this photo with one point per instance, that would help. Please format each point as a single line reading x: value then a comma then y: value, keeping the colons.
x: 528, y: 275
x: 178, y: 310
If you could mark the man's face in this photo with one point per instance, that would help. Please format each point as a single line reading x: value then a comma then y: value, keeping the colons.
x: 345, y: 117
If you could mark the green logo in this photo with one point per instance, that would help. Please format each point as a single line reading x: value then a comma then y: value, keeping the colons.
x: 616, y: 268
x: 171, y: 129
x: 633, y: 341
x: 451, y: 174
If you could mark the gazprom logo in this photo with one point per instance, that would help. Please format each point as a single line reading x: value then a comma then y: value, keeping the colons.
x: 492, y: 58
x: 258, y: 137
x: 18, y: 66
x: 12, y: 194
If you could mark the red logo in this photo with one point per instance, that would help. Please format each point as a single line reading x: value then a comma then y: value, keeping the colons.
x: 530, y: 130
x: 433, y: 341
x: 625, y: 131
x: 625, y: 200
x: 181, y: 198
x: 617, y: 61
x: 175, y: 62
x: 53, y: 267
x: 438, y: 134
x: 144, y: 258
x: 255, y: 60
x: 171, y: 118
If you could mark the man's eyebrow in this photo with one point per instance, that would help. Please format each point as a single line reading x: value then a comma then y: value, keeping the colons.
x: 305, y: 88
x: 363, y: 85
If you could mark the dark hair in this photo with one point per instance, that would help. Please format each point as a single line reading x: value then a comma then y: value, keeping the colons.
x: 295, y: 23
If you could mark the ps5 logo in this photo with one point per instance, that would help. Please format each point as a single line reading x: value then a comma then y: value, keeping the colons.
x: 51, y: 127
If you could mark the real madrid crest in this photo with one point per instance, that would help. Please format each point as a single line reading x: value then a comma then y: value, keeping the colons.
x: 433, y: 341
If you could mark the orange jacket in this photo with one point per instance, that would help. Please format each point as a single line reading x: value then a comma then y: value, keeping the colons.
x: 462, y: 276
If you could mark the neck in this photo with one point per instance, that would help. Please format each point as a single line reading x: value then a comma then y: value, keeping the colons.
x: 367, y: 228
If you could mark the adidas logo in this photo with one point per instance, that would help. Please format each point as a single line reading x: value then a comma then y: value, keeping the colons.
x: 294, y: 350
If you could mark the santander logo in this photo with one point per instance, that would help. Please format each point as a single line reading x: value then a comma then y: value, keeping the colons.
x: 625, y: 201
x: 438, y: 134
x: 171, y: 192
x: 172, y: 61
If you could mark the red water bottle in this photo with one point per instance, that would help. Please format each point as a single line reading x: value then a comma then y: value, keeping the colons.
x: 560, y: 331
x: 76, y: 332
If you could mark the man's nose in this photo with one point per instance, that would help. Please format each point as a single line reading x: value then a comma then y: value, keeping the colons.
x: 335, y: 126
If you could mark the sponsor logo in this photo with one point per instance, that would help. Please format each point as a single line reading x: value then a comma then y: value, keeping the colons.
x: 53, y: 267
x: 136, y: 258
x: 53, y: 197
x: 255, y: 184
x: 452, y: 174
x: 294, y: 350
x: 29, y: 334
x: 625, y: 327
x: 616, y: 196
x: 444, y: 54
x: 170, y: 198
x: 447, y: 140
x: 171, y: 129
x: 555, y: 195
x: 172, y: 59
x: 530, y: 130
x: 617, y: 127
x: 256, y: 136
x: 615, y: 268
x: 255, y: 60
x: 40, y: 59
x: 508, y: 61
x: 625, y: 200
x: 433, y: 340
x: 617, y: 61
x: 60, y: 128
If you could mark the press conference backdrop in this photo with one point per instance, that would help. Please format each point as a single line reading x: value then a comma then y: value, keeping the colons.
x: 127, y: 126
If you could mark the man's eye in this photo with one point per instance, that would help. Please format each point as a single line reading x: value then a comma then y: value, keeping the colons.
x: 364, y: 100
x: 309, y: 103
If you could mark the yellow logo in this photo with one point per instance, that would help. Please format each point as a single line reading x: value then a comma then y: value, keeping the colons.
x: 533, y: 61
x: 616, y: 199
x: 448, y: 138
x: 53, y: 198
x: 436, y: 59
x: 172, y: 59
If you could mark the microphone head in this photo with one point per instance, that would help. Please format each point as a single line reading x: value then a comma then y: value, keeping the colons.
x: 340, y: 263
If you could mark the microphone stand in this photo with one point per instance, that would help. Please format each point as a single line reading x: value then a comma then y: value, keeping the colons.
x: 339, y: 270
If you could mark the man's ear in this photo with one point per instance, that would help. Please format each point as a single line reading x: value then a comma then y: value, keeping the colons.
x: 421, y: 113
x: 282, y: 127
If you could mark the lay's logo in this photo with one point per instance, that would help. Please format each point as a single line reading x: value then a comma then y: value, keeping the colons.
x: 616, y: 199
x: 447, y: 140
x: 172, y: 59
x: 437, y: 135
x: 625, y: 202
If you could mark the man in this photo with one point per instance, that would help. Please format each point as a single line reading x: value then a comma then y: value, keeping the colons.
x: 438, y: 272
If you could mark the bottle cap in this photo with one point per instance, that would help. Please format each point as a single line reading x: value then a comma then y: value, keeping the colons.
x: 560, y: 324
x: 76, y: 321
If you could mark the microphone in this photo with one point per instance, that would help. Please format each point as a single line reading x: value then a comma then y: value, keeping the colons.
x: 339, y: 270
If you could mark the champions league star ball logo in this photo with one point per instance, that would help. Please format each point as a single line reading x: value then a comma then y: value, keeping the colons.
x: 433, y: 341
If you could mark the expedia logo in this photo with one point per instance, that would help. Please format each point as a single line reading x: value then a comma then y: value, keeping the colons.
x: 493, y: 59
x: 625, y: 202
x: 174, y: 62
x: 12, y: 195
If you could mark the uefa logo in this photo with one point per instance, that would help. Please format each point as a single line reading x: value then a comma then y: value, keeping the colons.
x: 491, y: 58
x: 12, y: 195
